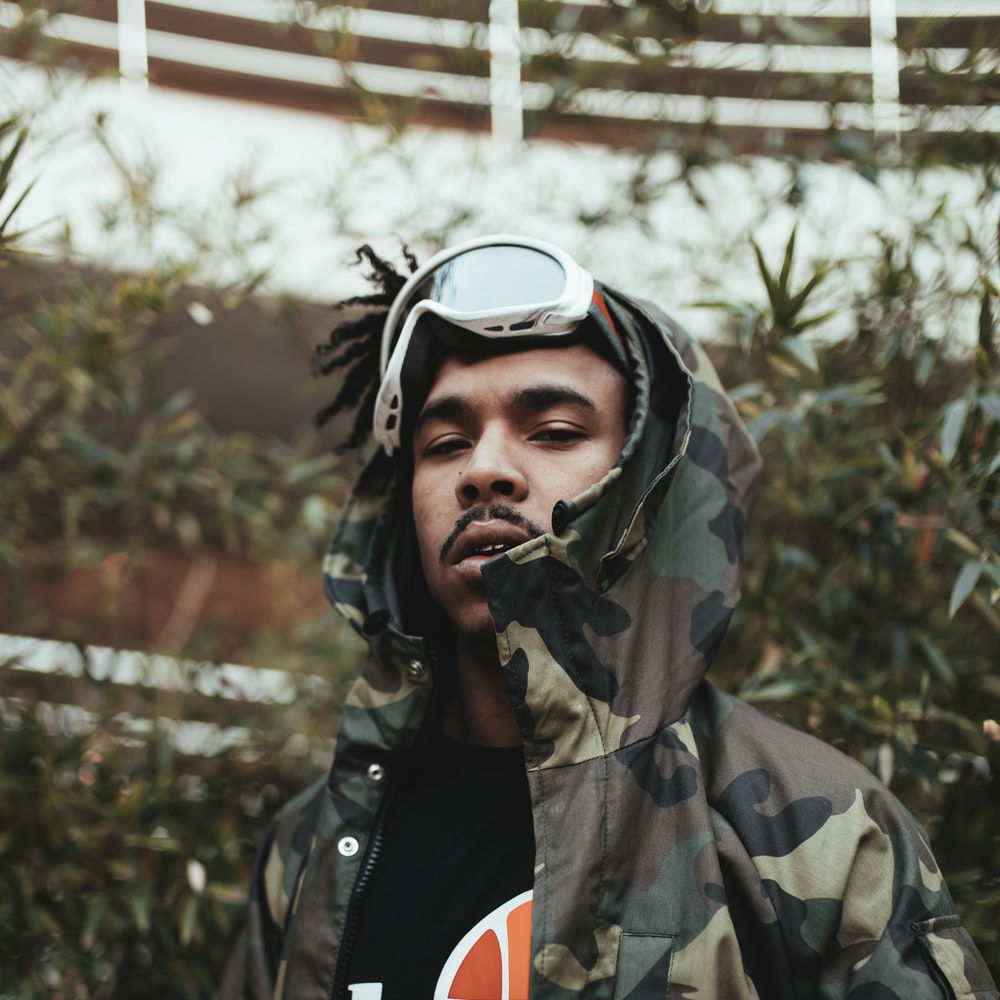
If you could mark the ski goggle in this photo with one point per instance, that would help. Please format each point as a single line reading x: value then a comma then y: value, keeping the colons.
x: 495, y: 287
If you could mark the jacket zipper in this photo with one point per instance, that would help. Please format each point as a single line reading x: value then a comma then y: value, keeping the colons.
x: 353, y: 920
x: 338, y: 991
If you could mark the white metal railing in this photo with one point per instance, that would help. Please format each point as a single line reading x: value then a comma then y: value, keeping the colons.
x: 26, y: 655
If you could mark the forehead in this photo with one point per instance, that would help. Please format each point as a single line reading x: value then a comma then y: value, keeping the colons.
x: 486, y: 378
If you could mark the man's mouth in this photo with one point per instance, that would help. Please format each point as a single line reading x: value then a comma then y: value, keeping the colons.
x: 484, y: 540
x: 483, y: 533
x: 492, y: 549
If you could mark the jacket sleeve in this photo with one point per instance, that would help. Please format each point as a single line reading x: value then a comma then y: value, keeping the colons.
x: 920, y: 949
x: 835, y: 890
x: 951, y: 953
x: 934, y: 959
x: 252, y: 971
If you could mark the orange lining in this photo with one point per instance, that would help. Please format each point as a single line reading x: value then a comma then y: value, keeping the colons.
x: 598, y: 301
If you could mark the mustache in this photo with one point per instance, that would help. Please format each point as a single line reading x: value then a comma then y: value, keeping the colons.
x: 498, y: 512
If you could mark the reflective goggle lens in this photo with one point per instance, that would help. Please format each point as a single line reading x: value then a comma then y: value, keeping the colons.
x: 500, y: 277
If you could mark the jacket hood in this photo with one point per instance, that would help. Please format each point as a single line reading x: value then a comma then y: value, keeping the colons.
x: 606, y: 623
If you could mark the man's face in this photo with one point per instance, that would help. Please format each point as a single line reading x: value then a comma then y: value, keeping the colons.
x: 498, y: 441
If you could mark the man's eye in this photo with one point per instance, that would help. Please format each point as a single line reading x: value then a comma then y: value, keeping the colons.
x: 446, y: 446
x: 559, y: 435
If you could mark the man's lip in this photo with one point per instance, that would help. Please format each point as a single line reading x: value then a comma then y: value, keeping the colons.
x: 484, y: 533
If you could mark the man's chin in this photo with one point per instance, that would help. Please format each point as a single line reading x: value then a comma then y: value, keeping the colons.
x: 479, y: 638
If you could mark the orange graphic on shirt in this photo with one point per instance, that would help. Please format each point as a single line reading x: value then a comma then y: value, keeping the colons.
x: 492, y: 961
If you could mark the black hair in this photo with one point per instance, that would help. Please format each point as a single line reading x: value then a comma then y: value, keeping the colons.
x: 353, y: 346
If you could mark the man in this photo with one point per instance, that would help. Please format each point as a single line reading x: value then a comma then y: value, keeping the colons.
x: 535, y: 791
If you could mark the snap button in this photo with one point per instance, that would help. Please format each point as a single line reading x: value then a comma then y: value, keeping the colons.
x: 347, y: 846
x: 376, y: 772
x: 417, y: 669
x: 560, y: 516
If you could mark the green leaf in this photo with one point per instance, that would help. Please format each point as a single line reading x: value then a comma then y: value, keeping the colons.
x: 176, y: 405
x: 799, y: 299
x: 925, y: 365
x: 746, y: 313
x: 899, y: 643
x: 991, y: 405
x: 786, y: 263
x: 762, y: 425
x: 13, y: 237
x: 310, y: 468
x: 772, y: 291
x: 989, y: 284
x: 864, y: 392
x: 775, y: 690
x: 992, y: 570
x: 989, y: 684
x: 792, y: 555
x: 7, y: 164
x: 962, y: 541
x: 92, y: 921
x: 748, y: 390
x: 965, y: 582
x: 938, y: 662
x: 802, y: 351
x: 952, y: 427
x: 189, y: 920
x: 316, y: 513
x: 139, y: 905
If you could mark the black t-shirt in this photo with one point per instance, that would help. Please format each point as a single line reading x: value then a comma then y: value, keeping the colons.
x: 447, y: 912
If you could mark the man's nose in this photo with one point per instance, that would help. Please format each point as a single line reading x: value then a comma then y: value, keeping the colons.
x: 491, y: 471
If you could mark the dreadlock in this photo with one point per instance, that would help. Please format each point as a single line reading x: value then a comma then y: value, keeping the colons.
x: 353, y: 346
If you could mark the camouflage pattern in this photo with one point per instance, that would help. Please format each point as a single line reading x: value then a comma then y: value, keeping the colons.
x: 686, y: 845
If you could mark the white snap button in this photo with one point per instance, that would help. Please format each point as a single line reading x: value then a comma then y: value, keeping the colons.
x: 417, y: 669
x: 376, y: 772
x: 347, y: 846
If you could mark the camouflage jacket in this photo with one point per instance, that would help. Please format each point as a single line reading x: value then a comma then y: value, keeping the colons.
x: 686, y: 845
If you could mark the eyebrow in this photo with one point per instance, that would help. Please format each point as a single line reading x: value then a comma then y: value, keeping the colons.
x: 531, y: 398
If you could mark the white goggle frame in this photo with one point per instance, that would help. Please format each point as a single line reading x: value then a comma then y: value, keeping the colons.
x: 557, y: 312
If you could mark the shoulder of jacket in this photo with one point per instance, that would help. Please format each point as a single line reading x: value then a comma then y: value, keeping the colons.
x: 758, y: 768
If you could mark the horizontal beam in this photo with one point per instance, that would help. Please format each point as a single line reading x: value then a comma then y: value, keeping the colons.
x: 918, y: 23
x: 748, y: 88
x: 338, y: 28
x: 745, y: 70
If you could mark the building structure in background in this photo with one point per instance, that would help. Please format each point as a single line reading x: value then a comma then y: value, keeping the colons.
x: 312, y: 94
x: 764, y: 76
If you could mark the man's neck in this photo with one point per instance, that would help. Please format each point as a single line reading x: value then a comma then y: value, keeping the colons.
x: 481, y: 712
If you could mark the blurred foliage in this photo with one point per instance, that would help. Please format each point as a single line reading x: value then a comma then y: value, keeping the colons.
x: 870, y: 610
x: 123, y: 862
x: 81, y: 404
x: 871, y: 604
x: 134, y: 793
